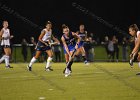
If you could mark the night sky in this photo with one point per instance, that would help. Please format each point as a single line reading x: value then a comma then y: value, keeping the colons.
x: 27, y: 18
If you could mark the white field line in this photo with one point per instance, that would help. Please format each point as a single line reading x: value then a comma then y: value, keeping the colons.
x: 60, y: 74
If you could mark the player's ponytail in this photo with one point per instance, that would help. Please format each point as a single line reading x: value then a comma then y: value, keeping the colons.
x: 134, y: 27
x: 64, y: 26
x: 49, y: 22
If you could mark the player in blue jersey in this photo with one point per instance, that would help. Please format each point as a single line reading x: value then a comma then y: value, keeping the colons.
x: 70, y: 42
x: 44, y: 45
x: 83, y: 34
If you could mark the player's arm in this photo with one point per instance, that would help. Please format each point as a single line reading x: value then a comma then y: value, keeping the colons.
x: 56, y: 41
x: 41, y: 36
x: 78, y: 39
x: 33, y: 42
x: 86, y: 37
x: 11, y: 36
x: 65, y: 45
x: 77, y: 32
x: 1, y: 33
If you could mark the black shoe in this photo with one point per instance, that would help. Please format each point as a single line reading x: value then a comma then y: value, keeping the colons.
x: 48, y: 69
x: 29, y: 68
x: 138, y: 73
x: 8, y: 66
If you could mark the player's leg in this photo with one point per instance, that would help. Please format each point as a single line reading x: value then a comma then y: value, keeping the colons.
x: 33, y: 60
x: 67, y: 60
x: 7, y: 51
x: 138, y: 58
x: 84, y: 55
x: 2, y: 59
x: 77, y: 53
x: 49, y: 60
x: 69, y: 63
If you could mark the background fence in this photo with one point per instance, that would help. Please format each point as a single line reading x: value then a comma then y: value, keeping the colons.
x: 98, y: 53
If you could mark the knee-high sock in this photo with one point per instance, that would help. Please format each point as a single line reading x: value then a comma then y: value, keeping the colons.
x: 69, y: 65
x: 49, y: 60
x: 2, y: 59
x: 6, y: 60
x: 33, y: 60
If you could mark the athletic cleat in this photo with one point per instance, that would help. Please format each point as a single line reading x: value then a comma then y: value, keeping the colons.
x: 8, y: 66
x: 29, y: 68
x: 131, y: 63
x: 138, y: 73
x: 48, y: 69
x: 66, y: 75
x: 67, y: 72
x: 86, y: 62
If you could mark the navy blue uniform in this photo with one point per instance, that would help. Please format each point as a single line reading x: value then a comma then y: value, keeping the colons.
x: 47, y: 37
x: 83, y: 36
x: 70, y: 41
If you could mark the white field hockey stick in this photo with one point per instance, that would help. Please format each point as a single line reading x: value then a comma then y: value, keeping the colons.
x: 131, y: 60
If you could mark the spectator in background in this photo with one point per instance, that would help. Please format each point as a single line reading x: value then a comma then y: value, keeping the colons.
x: 57, y: 52
x: 132, y: 43
x: 105, y: 43
x: 116, y: 47
x: 88, y: 49
x: 111, y: 50
x: 91, y: 50
x: 32, y: 48
x: 124, y: 49
x: 11, y: 46
x: 24, y: 45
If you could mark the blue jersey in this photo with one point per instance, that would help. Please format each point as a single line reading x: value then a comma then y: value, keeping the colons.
x: 70, y: 41
x: 83, y: 37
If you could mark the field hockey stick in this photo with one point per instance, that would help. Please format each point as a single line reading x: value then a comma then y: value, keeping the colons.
x: 131, y: 60
x: 71, y: 58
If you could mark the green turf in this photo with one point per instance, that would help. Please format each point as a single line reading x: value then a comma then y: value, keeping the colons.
x: 99, y: 81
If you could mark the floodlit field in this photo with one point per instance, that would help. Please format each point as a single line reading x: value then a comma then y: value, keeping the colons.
x: 98, y: 81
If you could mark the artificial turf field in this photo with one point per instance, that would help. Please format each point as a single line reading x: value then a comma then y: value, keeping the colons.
x: 98, y: 81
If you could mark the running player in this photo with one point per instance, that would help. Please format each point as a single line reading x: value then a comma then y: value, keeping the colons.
x: 5, y: 43
x: 69, y: 44
x: 83, y: 34
x: 43, y: 44
x: 134, y: 31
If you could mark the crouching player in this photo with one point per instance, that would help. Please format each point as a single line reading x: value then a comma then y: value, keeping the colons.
x: 134, y: 31
x: 70, y: 45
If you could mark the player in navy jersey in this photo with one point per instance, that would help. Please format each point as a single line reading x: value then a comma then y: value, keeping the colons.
x: 43, y: 45
x: 69, y: 44
x: 83, y: 34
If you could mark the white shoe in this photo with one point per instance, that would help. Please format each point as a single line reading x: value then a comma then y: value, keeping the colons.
x: 67, y: 72
x: 86, y: 63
